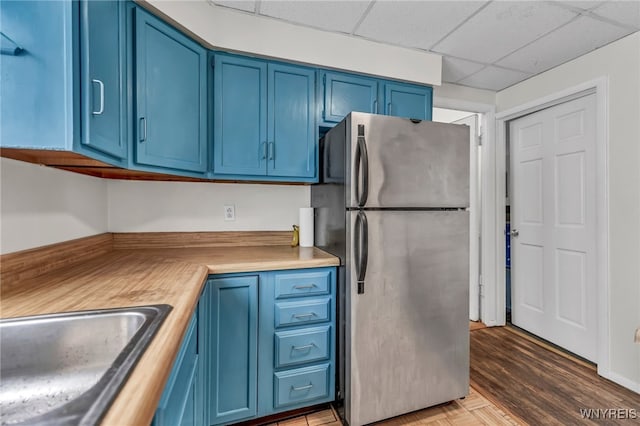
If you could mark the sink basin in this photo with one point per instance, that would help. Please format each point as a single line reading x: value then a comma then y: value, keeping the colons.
x: 67, y: 368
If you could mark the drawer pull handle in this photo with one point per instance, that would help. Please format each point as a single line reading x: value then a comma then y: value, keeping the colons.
x: 305, y: 287
x: 304, y: 316
x: 303, y: 348
x: 301, y: 388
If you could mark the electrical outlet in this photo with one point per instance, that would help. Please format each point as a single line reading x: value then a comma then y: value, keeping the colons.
x: 230, y: 212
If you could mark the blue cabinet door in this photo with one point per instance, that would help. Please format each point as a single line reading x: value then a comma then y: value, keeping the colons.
x: 344, y: 93
x: 240, y: 116
x: 233, y: 358
x: 103, y: 76
x: 291, y: 122
x: 179, y: 403
x: 403, y: 100
x: 36, y: 86
x: 171, y: 88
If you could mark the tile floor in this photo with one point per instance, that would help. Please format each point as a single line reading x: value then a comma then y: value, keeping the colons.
x: 471, y: 411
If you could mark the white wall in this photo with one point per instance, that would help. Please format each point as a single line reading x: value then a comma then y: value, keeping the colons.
x: 461, y: 94
x: 138, y: 206
x: 40, y: 206
x: 227, y: 29
x: 445, y: 115
x: 620, y: 63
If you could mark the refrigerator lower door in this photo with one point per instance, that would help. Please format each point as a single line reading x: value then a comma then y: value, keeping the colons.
x: 407, y: 335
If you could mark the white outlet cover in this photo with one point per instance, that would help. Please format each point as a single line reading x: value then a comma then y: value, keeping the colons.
x: 229, y: 212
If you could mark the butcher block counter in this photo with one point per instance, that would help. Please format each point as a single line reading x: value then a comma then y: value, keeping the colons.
x: 102, y: 272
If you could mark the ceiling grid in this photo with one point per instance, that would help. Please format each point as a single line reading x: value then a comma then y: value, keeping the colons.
x: 484, y: 44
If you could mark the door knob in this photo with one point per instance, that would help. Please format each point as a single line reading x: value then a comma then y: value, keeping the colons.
x: 514, y: 233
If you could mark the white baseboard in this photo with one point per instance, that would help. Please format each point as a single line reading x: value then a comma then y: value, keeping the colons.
x: 621, y: 380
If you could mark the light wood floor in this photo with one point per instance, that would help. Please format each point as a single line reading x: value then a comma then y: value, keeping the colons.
x: 471, y: 411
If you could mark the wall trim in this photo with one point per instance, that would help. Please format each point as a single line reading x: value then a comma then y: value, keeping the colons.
x: 601, y: 87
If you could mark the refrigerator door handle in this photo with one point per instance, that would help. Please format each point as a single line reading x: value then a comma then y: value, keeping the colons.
x: 361, y: 249
x: 361, y: 156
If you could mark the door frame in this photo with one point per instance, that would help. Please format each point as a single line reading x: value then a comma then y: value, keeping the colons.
x: 487, y: 199
x: 600, y: 87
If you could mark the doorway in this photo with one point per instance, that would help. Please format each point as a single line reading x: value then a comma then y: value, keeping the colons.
x: 472, y: 120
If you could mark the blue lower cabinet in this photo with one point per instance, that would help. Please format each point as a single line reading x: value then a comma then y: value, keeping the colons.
x: 233, y: 348
x: 255, y: 362
x: 178, y: 404
x: 296, y: 366
x: 247, y: 354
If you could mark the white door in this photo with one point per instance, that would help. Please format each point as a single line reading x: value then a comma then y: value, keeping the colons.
x: 474, y: 218
x: 553, y: 222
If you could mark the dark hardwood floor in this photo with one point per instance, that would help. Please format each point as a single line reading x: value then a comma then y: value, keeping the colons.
x: 543, y: 386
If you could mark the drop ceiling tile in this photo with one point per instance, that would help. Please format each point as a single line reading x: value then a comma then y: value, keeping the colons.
x: 415, y: 23
x: 624, y: 12
x: 501, y: 28
x: 454, y: 69
x: 578, y: 4
x: 334, y: 15
x: 246, y: 5
x: 494, y: 78
x: 574, y: 39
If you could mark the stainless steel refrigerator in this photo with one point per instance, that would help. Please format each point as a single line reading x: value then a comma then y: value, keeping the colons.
x: 392, y: 203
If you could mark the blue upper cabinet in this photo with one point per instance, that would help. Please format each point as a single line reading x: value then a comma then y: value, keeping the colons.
x: 291, y: 146
x: 344, y: 93
x: 409, y: 101
x: 263, y: 120
x: 171, y: 98
x: 66, y: 89
x: 37, y: 101
x: 103, y: 77
x: 240, y: 116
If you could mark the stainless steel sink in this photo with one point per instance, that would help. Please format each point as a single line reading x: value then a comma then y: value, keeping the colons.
x: 67, y: 368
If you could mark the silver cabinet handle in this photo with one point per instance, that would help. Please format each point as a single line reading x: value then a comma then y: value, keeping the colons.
x: 301, y: 316
x: 389, y: 108
x: 304, y: 287
x: 515, y: 232
x: 143, y: 129
x: 272, y: 149
x: 101, y: 86
x: 263, y: 147
x: 303, y: 348
x: 375, y: 106
x: 300, y: 388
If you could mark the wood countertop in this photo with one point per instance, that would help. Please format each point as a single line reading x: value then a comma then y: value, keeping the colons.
x: 135, y: 277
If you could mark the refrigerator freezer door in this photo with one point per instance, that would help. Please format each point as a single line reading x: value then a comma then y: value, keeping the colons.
x: 423, y: 164
x: 407, y: 342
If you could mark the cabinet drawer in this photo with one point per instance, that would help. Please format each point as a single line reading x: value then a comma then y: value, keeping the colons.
x: 301, y: 385
x: 302, y: 346
x: 302, y: 312
x: 294, y: 284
